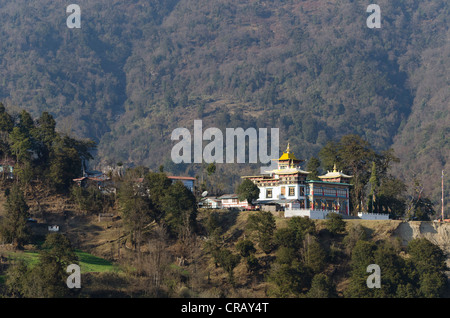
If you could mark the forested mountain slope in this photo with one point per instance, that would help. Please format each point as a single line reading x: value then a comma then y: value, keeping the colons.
x: 138, y: 69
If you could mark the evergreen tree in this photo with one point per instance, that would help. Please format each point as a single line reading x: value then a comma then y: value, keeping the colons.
x: 313, y: 167
x: 6, y: 120
x: 335, y: 224
x: 262, y: 224
x: 245, y: 247
x: 301, y: 227
x: 20, y: 145
x: 362, y: 256
x: 321, y: 287
x: 288, y: 280
x: 47, y: 279
x: 26, y: 123
x: 374, y: 182
x: 180, y: 209
x: 228, y: 261
x: 313, y: 254
x: 14, y: 227
x: 135, y: 209
x: 247, y: 190
x: 354, y: 155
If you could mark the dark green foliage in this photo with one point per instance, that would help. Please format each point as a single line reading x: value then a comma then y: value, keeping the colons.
x: 13, y: 227
x: 289, y: 280
x: 262, y: 225
x: 90, y: 199
x: 335, y: 224
x: 40, y: 153
x: 391, y: 197
x: 180, y: 209
x: 354, y: 156
x: 313, y: 254
x: 156, y: 184
x: 422, y: 274
x: 228, y: 261
x: 245, y: 247
x: 313, y: 167
x: 47, y: 279
x: 426, y: 256
x: 301, y: 227
x: 247, y: 190
x: 355, y: 233
x: 136, y: 209
x: 321, y: 287
x: 6, y: 120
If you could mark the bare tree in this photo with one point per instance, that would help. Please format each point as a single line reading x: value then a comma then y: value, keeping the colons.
x: 158, y: 258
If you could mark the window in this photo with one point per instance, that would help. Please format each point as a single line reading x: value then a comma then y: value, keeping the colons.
x: 283, y: 191
x: 291, y: 191
x: 269, y: 193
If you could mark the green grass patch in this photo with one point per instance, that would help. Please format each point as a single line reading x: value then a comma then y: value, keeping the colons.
x: 93, y: 264
x: 88, y: 262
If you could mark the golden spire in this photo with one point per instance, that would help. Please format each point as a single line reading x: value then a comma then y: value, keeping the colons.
x: 334, y: 168
x: 288, y: 148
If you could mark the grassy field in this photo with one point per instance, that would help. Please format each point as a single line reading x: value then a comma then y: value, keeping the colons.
x: 88, y: 262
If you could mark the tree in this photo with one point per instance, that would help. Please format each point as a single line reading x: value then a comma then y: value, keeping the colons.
x: 289, y: 280
x: 47, y: 279
x: 362, y: 256
x: 245, y: 247
x: 374, y: 184
x: 157, y: 184
x: 313, y: 167
x: 6, y: 121
x: 393, y: 270
x: 313, y: 254
x: 247, y: 190
x: 301, y: 227
x: 228, y: 261
x: 286, y: 237
x: 14, y: 227
x: 356, y: 233
x: 26, y: 123
x: 89, y: 200
x: 180, y: 210
x: 136, y: 211
x: 334, y: 223
x: 66, y: 159
x: 426, y: 256
x: 158, y: 259
x: 321, y: 287
x: 262, y: 224
x: 16, y: 278
x: 211, y: 169
x: 20, y: 145
x: 355, y: 156
x: 391, y: 197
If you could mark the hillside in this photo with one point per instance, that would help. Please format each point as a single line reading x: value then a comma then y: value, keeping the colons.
x: 108, y: 262
x: 136, y: 70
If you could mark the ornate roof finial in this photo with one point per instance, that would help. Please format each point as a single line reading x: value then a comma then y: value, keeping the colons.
x: 288, y: 148
x: 334, y: 168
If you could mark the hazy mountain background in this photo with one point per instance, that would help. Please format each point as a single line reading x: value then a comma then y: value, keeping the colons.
x: 138, y: 69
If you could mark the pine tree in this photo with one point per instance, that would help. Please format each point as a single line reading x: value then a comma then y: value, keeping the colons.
x: 14, y: 225
x: 374, y: 185
x: 313, y: 167
x: 247, y: 190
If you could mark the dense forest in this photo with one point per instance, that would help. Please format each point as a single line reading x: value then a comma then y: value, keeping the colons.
x: 136, y: 70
